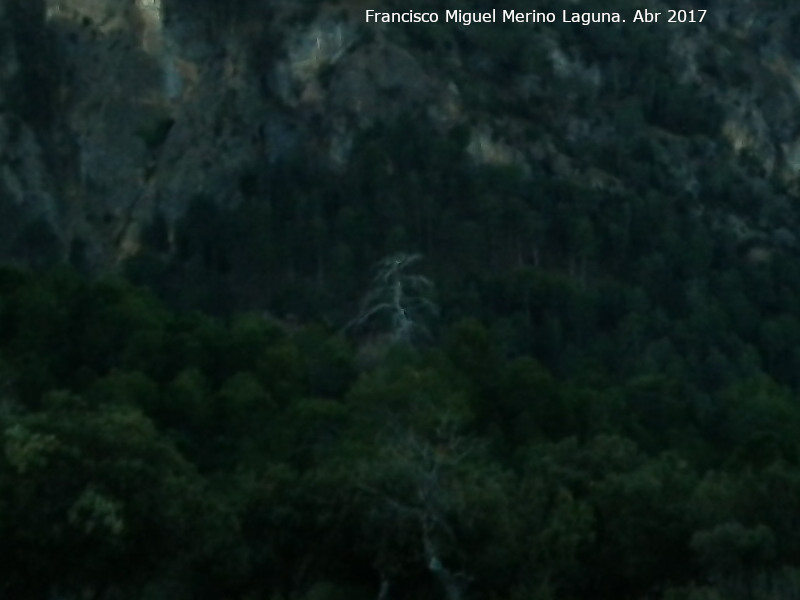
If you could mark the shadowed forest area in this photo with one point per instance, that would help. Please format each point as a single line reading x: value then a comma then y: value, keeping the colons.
x: 555, y: 361
x: 604, y: 424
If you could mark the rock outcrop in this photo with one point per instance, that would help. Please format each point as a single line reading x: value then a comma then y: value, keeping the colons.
x: 113, y: 110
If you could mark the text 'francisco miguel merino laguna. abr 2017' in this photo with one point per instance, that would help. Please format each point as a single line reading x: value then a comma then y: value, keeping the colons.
x: 514, y: 16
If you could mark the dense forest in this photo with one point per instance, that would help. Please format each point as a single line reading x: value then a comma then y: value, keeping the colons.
x: 418, y: 375
x: 149, y: 453
x: 601, y: 406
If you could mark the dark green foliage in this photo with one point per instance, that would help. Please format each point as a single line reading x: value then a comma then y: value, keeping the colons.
x: 606, y: 406
x: 145, y: 450
x: 155, y: 133
x: 26, y: 239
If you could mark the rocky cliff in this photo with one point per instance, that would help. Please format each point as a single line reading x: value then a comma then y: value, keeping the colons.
x: 114, y: 110
x: 147, y: 109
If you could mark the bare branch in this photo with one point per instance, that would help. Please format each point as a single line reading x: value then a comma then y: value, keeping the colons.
x: 399, y: 298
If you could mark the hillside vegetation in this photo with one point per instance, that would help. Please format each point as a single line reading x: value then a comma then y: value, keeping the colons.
x: 498, y: 312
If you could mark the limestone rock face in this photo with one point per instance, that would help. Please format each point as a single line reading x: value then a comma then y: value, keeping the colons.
x: 114, y: 110
x: 153, y: 106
